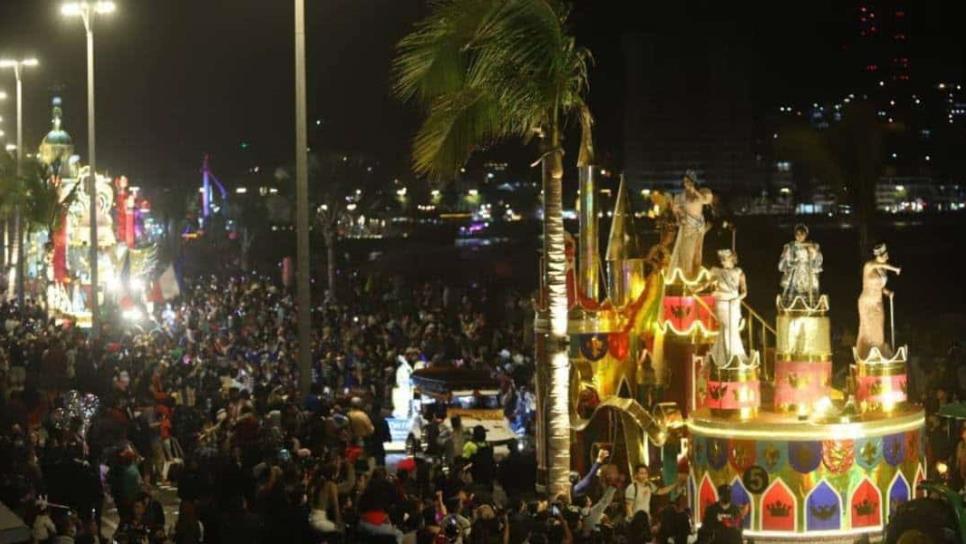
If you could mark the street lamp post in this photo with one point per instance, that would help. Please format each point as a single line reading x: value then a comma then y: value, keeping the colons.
x: 303, y: 289
x: 4, y: 255
x: 88, y: 12
x: 17, y: 66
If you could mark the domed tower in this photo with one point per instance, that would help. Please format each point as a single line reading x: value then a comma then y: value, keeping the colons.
x: 57, y: 146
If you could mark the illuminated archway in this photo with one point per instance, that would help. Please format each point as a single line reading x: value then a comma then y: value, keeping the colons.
x: 899, y: 493
x: 707, y: 495
x: 823, y: 508
x: 740, y: 498
x: 865, y: 506
x: 779, y: 508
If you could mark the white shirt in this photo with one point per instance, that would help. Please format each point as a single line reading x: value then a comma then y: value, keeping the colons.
x: 404, y: 374
x: 640, y: 497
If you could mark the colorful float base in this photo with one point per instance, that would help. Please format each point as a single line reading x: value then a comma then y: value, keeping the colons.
x: 808, y: 480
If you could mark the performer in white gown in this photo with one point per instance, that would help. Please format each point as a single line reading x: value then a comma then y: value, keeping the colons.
x: 402, y: 395
x: 729, y: 290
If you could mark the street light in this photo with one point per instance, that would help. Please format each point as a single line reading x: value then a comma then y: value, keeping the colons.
x: 17, y: 66
x: 84, y: 8
x: 88, y: 12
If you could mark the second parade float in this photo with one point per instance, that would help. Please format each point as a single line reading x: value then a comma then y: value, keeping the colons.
x: 671, y: 368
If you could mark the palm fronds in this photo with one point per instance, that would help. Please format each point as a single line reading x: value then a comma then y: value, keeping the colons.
x: 489, y: 70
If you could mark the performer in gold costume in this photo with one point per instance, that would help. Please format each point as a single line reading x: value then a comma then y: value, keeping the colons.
x: 871, y: 309
x: 688, y: 208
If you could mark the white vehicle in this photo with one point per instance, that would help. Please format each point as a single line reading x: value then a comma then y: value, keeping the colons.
x: 472, y: 395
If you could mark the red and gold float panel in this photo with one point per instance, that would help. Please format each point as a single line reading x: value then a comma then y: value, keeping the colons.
x: 733, y: 391
x: 800, y: 384
x: 832, y: 481
x: 686, y: 314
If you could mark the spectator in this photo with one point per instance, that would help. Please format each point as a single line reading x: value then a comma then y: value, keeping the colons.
x: 675, y: 521
x: 480, y: 455
x: 722, y: 520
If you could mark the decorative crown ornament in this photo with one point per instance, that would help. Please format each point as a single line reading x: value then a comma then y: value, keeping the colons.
x: 801, y: 304
x: 876, y: 357
x: 865, y: 507
x: 824, y: 512
x: 779, y: 509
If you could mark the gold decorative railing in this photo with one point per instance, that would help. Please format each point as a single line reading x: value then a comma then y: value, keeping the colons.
x: 765, y: 340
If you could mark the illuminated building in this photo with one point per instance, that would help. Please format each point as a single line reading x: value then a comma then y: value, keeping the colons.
x: 688, y: 107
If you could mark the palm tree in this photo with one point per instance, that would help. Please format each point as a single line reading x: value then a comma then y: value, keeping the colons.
x: 11, y: 197
x: 490, y: 70
x: 339, y: 183
x: 45, y: 207
x: 848, y: 156
x: 37, y: 198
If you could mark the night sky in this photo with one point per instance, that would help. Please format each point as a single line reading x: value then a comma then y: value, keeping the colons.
x: 180, y: 78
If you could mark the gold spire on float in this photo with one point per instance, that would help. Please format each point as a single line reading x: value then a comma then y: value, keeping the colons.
x: 625, y: 252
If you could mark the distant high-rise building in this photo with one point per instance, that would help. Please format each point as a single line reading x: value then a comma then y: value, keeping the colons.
x: 688, y: 106
x: 883, y: 43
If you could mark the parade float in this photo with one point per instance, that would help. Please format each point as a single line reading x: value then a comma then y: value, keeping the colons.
x: 125, y: 263
x: 671, y: 367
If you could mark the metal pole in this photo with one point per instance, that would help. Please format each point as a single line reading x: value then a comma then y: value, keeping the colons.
x: 892, y: 320
x: 92, y: 178
x: 18, y: 218
x: 303, y: 289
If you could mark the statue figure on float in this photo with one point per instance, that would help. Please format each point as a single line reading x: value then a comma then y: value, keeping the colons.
x: 730, y: 288
x: 871, y: 307
x: 688, y: 208
x: 800, y: 265
x: 402, y: 395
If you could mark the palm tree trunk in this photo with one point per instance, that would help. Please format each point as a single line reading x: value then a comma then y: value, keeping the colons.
x: 45, y: 268
x: 329, y: 237
x: 21, y: 262
x: 3, y: 252
x: 557, y: 362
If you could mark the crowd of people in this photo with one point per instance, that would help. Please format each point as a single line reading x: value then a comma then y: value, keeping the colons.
x: 203, y: 402
x: 192, y: 428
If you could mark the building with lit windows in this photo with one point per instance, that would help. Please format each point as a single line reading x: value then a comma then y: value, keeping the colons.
x: 688, y: 106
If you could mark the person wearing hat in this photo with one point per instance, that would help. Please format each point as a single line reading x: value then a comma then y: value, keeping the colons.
x: 800, y: 265
x: 730, y: 288
x: 722, y: 520
x: 479, y: 452
x: 871, y: 309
